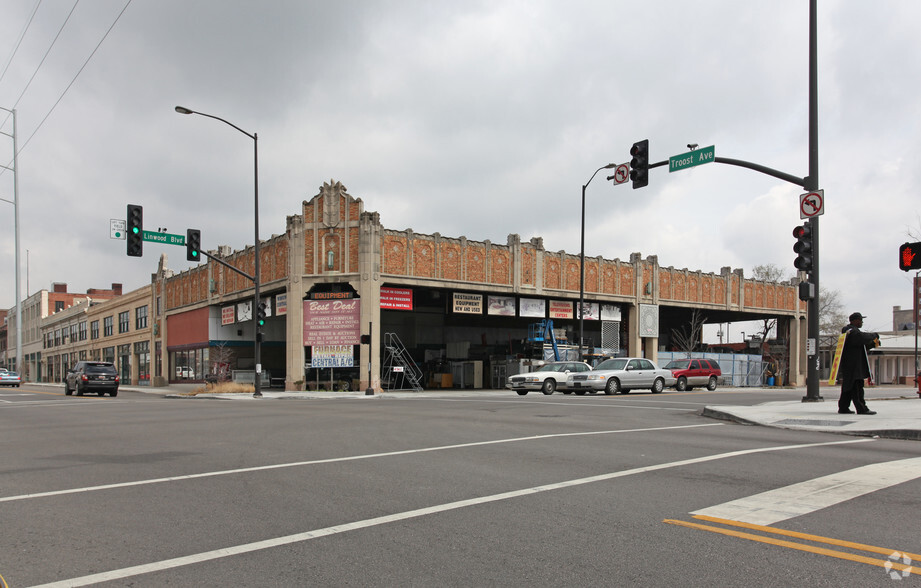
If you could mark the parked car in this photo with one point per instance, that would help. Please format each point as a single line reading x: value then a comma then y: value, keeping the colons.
x: 622, y: 374
x: 100, y: 377
x: 547, y: 378
x: 185, y: 373
x: 8, y: 378
x: 694, y: 372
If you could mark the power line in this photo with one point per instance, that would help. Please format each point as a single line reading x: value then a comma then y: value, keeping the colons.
x: 61, y: 97
x: 19, y: 42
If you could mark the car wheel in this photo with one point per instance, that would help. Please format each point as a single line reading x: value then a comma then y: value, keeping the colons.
x: 711, y: 385
x: 113, y: 393
x: 612, y: 386
x: 682, y: 384
x: 580, y: 392
x: 658, y: 386
x: 549, y: 386
x: 521, y: 392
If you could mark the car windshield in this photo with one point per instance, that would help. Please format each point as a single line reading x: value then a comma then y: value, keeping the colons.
x: 612, y: 364
x: 551, y: 367
x: 100, y: 368
x: 678, y: 364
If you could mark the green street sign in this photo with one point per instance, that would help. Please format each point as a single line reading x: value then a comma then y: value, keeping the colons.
x: 163, y: 238
x: 692, y: 158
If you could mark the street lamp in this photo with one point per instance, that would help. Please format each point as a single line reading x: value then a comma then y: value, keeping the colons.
x: 257, y: 383
x: 15, y: 203
x: 582, y: 261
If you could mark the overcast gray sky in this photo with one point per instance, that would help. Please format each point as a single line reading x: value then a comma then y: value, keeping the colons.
x: 466, y: 118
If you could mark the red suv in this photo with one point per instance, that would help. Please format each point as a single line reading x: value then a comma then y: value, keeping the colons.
x: 694, y: 372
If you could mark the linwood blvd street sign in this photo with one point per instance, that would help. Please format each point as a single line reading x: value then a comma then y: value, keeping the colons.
x: 167, y: 238
x: 692, y: 158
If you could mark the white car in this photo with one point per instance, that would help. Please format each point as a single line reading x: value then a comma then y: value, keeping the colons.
x: 547, y: 378
x: 622, y: 374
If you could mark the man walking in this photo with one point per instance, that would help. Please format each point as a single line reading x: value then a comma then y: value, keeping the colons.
x: 855, y: 365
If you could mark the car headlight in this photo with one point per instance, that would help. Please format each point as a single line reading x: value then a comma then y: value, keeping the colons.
x: 532, y: 380
x: 594, y: 377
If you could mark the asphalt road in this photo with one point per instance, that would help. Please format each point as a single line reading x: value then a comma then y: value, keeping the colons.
x: 486, y: 490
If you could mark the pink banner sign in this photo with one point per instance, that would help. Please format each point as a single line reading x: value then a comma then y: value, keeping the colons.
x: 332, y: 322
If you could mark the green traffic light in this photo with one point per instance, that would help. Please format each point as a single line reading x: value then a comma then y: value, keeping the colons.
x: 135, y: 230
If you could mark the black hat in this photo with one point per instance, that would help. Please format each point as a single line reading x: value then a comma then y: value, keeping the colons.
x: 855, y: 316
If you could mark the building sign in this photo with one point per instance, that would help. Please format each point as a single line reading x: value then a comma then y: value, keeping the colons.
x: 501, y: 305
x: 533, y: 307
x: 281, y: 304
x: 332, y: 322
x: 331, y: 356
x: 227, y: 315
x: 560, y: 309
x: 468, y: 303
x: 589, y: 310
x: 609, y: 312
x: 397, y: 298
x: 245, y: 311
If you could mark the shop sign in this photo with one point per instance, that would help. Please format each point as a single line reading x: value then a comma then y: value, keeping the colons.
x: 468, y: 303
x: 560, y: 309
x: 533, y: 307
x: 227, y: 315
x: 332, y: 322
x: 331, y: 356
x: 501, y: 305
x: 397, y: 298
x: 281, y: 304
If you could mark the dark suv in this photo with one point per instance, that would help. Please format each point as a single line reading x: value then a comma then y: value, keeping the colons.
x: 91, y: 376
x: 695, y: 372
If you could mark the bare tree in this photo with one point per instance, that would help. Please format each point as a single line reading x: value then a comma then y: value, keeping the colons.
x: 770, y: 273
x: 687, y: 338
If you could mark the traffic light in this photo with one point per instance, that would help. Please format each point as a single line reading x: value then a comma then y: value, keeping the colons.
x: 260, y: 315
x: 910, y: 256
x: 192, y: 244
x: 803, y: 247
x: 135, y: 236
x: 639, y: 165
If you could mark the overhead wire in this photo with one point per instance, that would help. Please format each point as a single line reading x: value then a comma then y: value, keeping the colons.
x: 22, y: 36
x: 61, y: 97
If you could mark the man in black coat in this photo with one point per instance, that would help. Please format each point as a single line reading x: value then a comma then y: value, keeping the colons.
x: 855, y: 365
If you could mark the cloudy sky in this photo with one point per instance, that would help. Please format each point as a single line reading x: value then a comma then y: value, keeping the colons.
x: 468, y: 118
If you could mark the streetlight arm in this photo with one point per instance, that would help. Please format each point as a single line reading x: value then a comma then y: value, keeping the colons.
x: 184, y: 110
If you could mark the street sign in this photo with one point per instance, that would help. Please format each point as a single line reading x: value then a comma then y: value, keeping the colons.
x: 117, y: 228
x: 812, y: 204
x: 163, y: 238
x: 621, y: 174
x: 691, y: 158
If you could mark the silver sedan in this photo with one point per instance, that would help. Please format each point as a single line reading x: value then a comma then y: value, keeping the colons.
x: 547, y: 378
x: 622, y: 374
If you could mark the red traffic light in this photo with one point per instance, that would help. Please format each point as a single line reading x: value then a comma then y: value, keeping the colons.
x: 910, y: 256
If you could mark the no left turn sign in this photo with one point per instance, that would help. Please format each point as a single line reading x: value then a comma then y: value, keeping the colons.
x: 812, y: 204
x: 621, y: 173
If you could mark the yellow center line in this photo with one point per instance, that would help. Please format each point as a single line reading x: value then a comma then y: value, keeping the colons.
x: 887, y: 564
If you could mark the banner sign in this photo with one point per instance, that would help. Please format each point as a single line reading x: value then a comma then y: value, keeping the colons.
x: 227, y: 315
x: 468, y: 303
x: 281, y: 304
x: 331, y: 356
x: 609, y: 312
x: 560, y: 309
x: 836, y: 362
x: 332, y: 322
x: 245, y: 311
x: 533, y: 307
x: 501, y: 305
x: 589, y: 311
x: 397, y: 298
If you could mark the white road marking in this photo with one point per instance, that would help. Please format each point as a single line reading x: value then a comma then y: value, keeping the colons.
x: 410, y: 514
x: 337, y: 459
x: 792, y: 501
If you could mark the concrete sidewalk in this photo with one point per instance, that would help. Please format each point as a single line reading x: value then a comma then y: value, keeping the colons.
x: 898, y: 417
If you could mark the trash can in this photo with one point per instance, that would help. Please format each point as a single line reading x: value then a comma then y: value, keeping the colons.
x: 770, y: 381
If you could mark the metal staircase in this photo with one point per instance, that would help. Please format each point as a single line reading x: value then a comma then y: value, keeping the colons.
x: 399, y: 372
